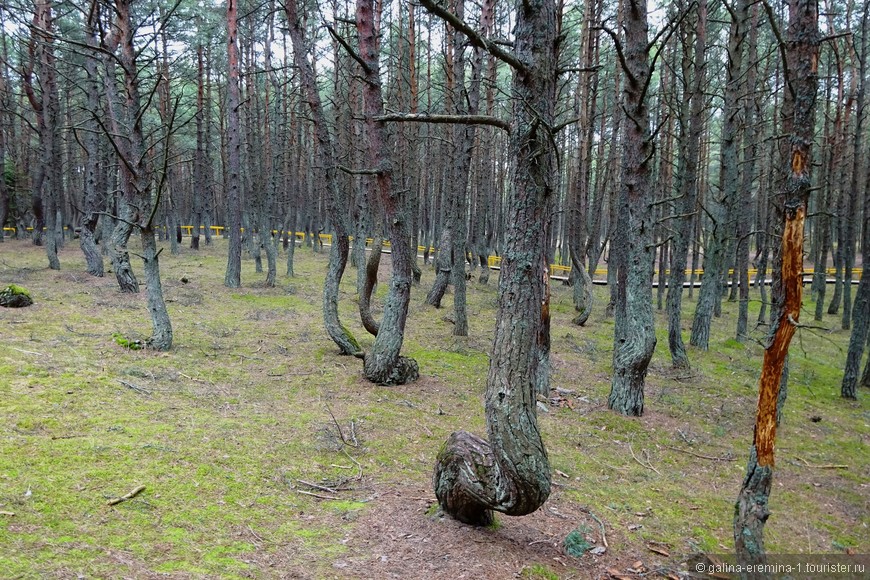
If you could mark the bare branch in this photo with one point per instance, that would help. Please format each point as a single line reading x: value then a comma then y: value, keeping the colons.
x: 445, y: 119
x: 473, y: 37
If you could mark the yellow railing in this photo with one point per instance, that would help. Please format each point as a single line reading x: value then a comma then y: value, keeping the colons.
x: 556, y: 270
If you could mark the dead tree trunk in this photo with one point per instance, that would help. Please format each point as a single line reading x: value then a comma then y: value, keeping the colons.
x: 801, y: 50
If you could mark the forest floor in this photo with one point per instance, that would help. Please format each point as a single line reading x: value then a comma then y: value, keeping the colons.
x: 264, y: 454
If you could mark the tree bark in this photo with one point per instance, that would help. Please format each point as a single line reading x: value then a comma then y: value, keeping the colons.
x: 861, y: 311
x: 338, y: 206
x: 634, y: 332
x: 694, y: 68
x: 709, y: 297
x: 94, y: 199
x: 751, y: 510
x: 233, y: 277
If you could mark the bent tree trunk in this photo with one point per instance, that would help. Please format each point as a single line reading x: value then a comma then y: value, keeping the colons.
x: 338, y: 208
x: 751, y: 511
x: 383, y: 365
x: 511, y: 473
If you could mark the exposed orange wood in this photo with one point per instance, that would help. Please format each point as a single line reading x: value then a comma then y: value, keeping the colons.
x: 774, y: 355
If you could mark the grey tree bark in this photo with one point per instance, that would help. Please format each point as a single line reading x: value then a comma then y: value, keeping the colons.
x: 383, y: 364
x: 233, y: 277
x: 634, y: 332
x: 694, y: 71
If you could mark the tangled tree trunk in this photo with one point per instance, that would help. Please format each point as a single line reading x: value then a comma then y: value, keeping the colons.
x: 634, y: 333
x: 383, y: 365
x: 338, y: 207
x: 511, y: 473
x: 751, y: 510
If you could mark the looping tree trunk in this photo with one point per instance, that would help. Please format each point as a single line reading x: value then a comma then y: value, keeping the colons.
x: 510, y: 473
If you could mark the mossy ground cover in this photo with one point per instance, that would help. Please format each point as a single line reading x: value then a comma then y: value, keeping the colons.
x: 229, y: 429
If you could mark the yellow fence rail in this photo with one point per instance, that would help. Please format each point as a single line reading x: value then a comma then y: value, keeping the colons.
x: 556, y: 270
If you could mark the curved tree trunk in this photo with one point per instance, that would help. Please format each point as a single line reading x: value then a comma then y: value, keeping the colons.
x: 337, y: 205
x: 161, y: 326
x: 93, y: 201
x: 511, y: 472
x: 383, y: 365
x: 370, y: 280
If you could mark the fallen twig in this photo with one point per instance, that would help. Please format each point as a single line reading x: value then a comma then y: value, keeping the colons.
x: 359, y: 475
x: 647, y: 465
x: 136, y: 388
x: 823, y: 466
x: 340, y: 432
x: 600, y: 523
x: 27, y: 351
x: 315, y: 486
x: 711, y: 458
x: 125, y: 497
x: 10, y: 514
x: 317, y: 495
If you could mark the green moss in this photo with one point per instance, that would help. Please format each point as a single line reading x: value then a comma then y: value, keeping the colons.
x: 132, y: 344
x: 16, y: 290
x: 538, y: 572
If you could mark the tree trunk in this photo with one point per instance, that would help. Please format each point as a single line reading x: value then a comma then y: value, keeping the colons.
x: 511, y: 472
x: 861, y: 312
x: 709, y: 297
x: 161, y: 326
x: 383, y: 365
x: 694, y: 68
x: 94, y: 201
x: 233, y: 277
x: 751, y: 511
x: 751, y: 139
x: 634, y: 332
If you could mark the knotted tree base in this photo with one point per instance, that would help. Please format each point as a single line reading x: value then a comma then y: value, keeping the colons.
x: 406, y: 370
x: 463, y: 478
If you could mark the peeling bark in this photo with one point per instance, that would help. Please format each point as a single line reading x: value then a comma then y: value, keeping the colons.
x: 751, y: 511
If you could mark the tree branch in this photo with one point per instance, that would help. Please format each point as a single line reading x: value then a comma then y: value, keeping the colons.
x: 445, y: 119
x: 473, y: 37
x: 781, y: 43
x: 347, y: 47
x: 621, y: 55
